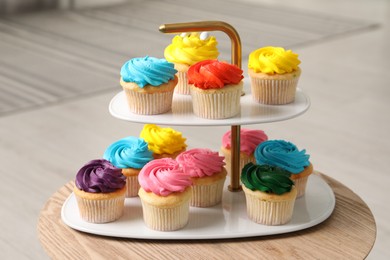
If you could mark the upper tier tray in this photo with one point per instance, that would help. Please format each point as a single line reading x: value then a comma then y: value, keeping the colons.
x: 182, y: 113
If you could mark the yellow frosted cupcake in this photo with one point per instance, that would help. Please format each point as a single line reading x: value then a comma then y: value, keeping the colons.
x: 215, y: 89
x: 186, y: 50
x: 165, y: 195
x: 149, y: 84
x: 270, y: 194
x: 163, y: 141
x: 274, y: 74
x: 207, y: 174
x: 100, y: 191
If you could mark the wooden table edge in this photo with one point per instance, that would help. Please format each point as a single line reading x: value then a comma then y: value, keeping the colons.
x: 50, y: 219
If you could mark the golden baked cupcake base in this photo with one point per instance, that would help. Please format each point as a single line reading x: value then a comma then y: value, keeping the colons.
x: 100, y: 207
x: 217, y: 103
x: 165, y: 213
x: 149, y: 100
x: 270, y: 209
x: 274, y: 89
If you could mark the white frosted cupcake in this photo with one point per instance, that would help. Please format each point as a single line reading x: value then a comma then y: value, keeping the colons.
x: 165, y: 194
x: 149, y: 84
x: 249, y: 140
x: 207, y: 174
x: 215, y: 89
x: 186, y: 50
x: 286, y: 155
x: 270, y: 194
x: 100, y: 191
x: 129, y: 154
x: 274, y: 74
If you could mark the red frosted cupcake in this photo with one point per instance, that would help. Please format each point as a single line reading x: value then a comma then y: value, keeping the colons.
x: 215, y: 89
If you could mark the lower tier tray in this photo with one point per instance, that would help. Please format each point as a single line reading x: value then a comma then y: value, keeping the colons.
x: 226, y: 220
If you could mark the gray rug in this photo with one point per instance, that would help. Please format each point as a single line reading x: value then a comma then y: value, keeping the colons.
x: 49, y: 57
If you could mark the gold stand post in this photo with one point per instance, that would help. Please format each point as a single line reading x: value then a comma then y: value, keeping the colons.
x: 235, y: 59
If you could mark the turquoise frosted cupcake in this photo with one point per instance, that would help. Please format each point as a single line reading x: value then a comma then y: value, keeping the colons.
x: 129, y: 154
x: 148, y: 83
x: 286, y: 155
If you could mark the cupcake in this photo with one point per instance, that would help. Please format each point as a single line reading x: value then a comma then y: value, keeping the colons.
x: 207, y: 174
x: 100, y: 191
x: 215, y: 89
x: 274, y: 75
x: 163, y: 141
x: 286, y: 155
x: 270, y: 194
x: 148, y: 84
x: 165, y: 195
x: 129, y: 154
x: 249, y: 140
x: 186, y: 50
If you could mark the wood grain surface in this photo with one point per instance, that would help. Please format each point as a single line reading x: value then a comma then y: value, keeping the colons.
x: 349, y: 233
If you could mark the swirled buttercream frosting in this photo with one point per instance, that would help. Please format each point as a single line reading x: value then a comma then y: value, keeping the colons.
x: 163, y: 177
x: 191, y: 48
x: 128, y: 152
x: 100, y: 176
x: 249, y: 140
x: 200, y: 162
x: 273, y: 60
x: 214, y: 74
x: 148, y: 71
x: 266, y: 178
x: 282, y: 154
x: 163, y: 139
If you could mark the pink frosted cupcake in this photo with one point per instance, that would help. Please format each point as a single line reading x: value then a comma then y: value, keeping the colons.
x: 100, y: 191
x: 249, y: 140
x: 207, y: 173
x: 165, y: 194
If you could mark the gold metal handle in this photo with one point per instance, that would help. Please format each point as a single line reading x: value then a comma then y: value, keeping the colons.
x: 236, y: 58
x: 209, y: 26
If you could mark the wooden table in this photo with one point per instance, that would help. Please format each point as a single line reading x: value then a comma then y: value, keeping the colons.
x: 348, y: 233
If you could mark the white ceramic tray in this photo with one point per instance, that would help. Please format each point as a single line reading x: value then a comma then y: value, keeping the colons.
x: 226, y: 220
x: 182, y: 113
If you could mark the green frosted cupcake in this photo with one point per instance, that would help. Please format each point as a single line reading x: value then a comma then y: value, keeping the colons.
x: 270, y: 194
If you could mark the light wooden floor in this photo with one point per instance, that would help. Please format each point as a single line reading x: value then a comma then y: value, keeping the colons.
x: 345, y: 130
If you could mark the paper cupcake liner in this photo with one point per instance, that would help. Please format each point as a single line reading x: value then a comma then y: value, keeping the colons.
x: 274, y: 91
x: 207, y: 195
x: 269, y: 212
x: 243, y: 161
x: 165, y: 219
x: 217, y: 105
x: 132, y: 186
x: 149, y: 103
x: 101, y: 211
x: 300, y: 184
x: 182, y: 84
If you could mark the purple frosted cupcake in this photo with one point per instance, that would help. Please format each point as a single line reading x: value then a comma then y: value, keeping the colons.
x: 100, y: 191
